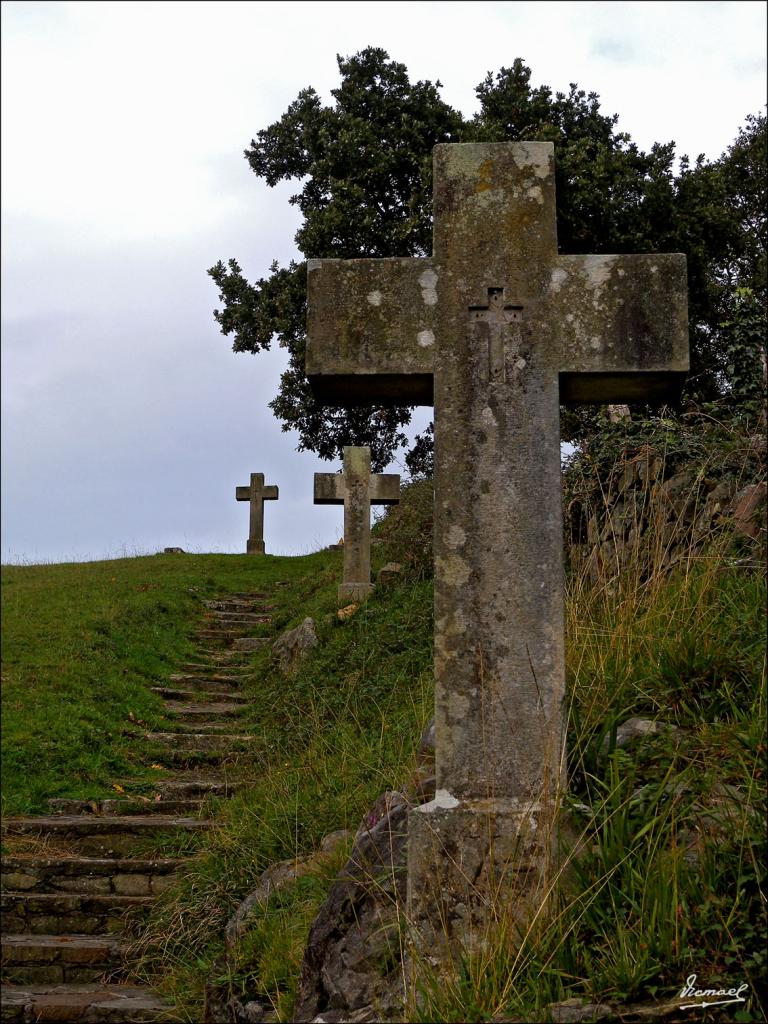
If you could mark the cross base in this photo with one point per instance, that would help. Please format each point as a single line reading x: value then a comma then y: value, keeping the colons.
x: 355, y: 591
x: 477, y: 869
x: 254, y: 547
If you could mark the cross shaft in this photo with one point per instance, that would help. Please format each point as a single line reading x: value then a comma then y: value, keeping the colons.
x: 256, y: 493
x: 495, y: 329
x: 357, y: 489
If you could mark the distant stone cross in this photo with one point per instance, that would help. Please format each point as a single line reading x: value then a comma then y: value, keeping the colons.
x: 357, y: 489
x: 257, y: 494
x: 496, y: 330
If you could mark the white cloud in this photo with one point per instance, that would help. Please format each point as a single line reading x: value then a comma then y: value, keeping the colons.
x: 123, y: 126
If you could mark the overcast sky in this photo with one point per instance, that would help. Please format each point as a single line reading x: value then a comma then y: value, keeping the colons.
x: 127, y: 420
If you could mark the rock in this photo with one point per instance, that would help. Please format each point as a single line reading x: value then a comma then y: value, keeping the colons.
x: 250, y: 1013
x: 635, y: 728
x: 174, y: 551
x: 291, y: 648
x: 249, y: 643
x: 352, y: 969
x: 748, y: 511
x: 617, y: 413
x: 389, y: 573
x: 219, y: 1007
x: 572, y: 1011
x: 347, y: 612
x: 678, y: 487
x: 275, y: 878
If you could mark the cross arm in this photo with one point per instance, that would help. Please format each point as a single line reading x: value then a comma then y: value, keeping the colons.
x: 371, y: 327
x: 269, y: 493
x: 329, y: 489
x: 621, y: 325
x: 385, y: 488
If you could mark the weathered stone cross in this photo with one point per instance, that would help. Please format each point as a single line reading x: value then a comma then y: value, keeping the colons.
x: 495, y: 330
x: 357, y: 489
x: 257, y: 494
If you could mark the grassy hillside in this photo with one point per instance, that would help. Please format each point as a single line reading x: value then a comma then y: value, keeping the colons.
x: 671, y: 879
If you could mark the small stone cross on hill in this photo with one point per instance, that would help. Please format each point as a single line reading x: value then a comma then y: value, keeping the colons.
x: 357, y: 489
x: 256, y: 493
x: 496, y: 330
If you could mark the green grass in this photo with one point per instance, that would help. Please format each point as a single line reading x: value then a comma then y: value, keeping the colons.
x: 83, y: 643
x: 669, y: 877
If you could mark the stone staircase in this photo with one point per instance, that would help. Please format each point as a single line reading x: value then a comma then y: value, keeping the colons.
x: 76, y: 878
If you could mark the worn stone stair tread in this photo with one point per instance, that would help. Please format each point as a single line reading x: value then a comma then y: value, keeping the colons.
x: 200, y: 785
x: 223, y: 709
x: 67, y: 947
x: 197, y: 727
x: 62, y: 913
x: 126, y: 806
x: 91, y: 865
x: 247, y: 603
x: 169, y: 693
x: 175, y: 745
x: 221, y: 655
x: 248, y: 644
x: 211, y: 633
x: 89, y: 824
x: 33, y: 875
x: 73, y: 899
x: 201, y: 682
x: 89, y: 1004
x: 237, y: 618
x: 207, y: 668
x: 230, y: 686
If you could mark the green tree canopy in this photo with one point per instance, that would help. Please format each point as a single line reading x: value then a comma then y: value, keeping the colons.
x: 364, y: 167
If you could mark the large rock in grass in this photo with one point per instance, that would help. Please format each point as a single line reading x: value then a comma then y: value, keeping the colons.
x: 292, y: 647
x: 352, y: 969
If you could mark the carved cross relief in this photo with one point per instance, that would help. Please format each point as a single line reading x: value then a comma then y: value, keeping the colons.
x: 504, y: 337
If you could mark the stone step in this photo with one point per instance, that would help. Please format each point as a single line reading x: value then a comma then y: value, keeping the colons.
x: 188, y: 696
x: 218, y: 634
x: 200, y: 741
x: 114, y: 806
x: 224, y: 674
x: 59, y: 913
x: 251, y: 643
x: 225, y: 619
x: 210, y: 710
x: 238, y: 604
x: 59, y: 959
x: 179, y: 758
x: 191, y: 786
x: 248, y: 596
x: 87, y: 1004
x: 201, y: 682
x: 222, y: 657
x: 206, y: 727
x: 96, y: 836
x: 95, y: 875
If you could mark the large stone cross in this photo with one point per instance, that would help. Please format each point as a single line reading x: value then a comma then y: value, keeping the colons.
x: 256, y: 493
x: 357, y: 489
x: 496, y: 330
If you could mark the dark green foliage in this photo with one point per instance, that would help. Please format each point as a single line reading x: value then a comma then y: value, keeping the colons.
x: 368, y: 192
x: 406, y: 529
x: 366, y: 173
